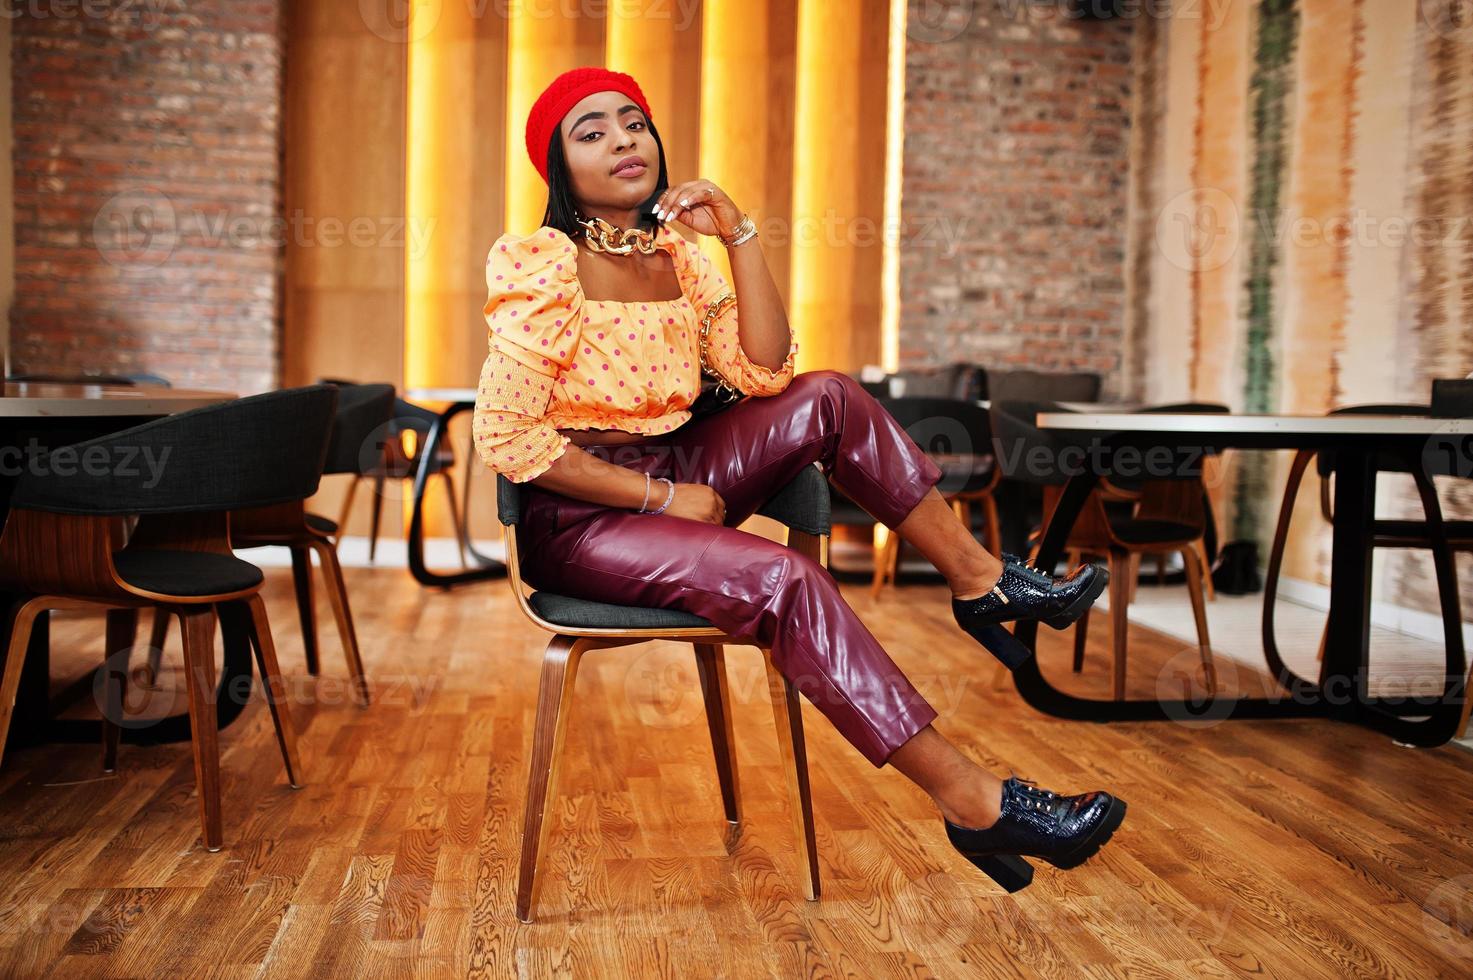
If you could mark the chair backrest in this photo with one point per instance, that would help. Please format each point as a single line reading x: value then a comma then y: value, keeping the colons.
x: 248, y: 452
x: 943, y: 425
x: 1383, y: 462
x: 803, y: 504
x: 1047, y: 386
x: 361, y: 422
x: 1452, y: 398
x: 1025, y: 452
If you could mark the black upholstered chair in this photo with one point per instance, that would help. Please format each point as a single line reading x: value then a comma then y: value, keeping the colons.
x: 400, y: 463
x: 362, y: 413
x: 957, y: 436
x: 63, y: 547
x: 579, y: 626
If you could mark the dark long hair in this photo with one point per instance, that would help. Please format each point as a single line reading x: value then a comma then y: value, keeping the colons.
x: 562, y: 211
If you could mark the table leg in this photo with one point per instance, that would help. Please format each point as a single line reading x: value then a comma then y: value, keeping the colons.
x: 422, y: 575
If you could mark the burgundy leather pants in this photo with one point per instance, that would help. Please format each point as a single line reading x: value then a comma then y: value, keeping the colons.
x: 746, y: 585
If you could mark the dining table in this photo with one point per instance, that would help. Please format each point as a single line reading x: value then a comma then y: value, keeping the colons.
x: 452, y: 402
x: 1427, y: 445
x: 36, y: 417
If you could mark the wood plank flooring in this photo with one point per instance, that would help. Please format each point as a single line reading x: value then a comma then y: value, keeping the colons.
x: 1295, y: 849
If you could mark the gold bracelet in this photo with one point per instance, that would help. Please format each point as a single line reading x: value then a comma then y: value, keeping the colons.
x: 714, y: 309
x: 743, y: 231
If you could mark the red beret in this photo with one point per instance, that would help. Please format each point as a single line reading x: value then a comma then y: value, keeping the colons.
x: 566, y: 91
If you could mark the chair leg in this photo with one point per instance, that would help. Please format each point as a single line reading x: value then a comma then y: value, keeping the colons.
x: 711, y: 664
x: 306, y: 608
x: 337, y: 597
x: 198, y: 628
x: 1462, y: 730
x: 1134, y: 576
x: 1201, y: 545
x: 22, y: 619
x: 1161, y: 568
x: 1081, y: 636
x: 456, y: 519
x: 275, y: 689
x: 376, y: 514
x: 121, y: 632
x: 1120, y: 567
x: 554, y: 699
x: 347, y: 510
x: 1199, y: 612
x: 994, y: 529
x: 158, y: 635
x: 884, y: 564
x: 787, y: 713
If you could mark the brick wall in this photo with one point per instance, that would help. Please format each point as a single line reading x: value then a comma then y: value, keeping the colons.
x: 147, y: 183
x: 1015, y: 187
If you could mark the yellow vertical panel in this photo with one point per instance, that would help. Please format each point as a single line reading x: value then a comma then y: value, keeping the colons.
x: 544, y: 42
x: 748, y: 67
x: 894, y: 160
x: 838, y: 184
x: 659, y: 43
x: 439, y: 55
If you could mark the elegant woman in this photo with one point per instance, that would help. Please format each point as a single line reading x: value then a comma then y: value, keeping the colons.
x: 600, y: 324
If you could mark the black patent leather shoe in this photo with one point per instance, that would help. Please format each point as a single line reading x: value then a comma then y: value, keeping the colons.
x: 1065, y: 831
x: 1025, y: 592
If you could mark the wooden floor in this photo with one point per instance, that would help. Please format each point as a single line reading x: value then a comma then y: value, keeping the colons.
x: 1291, y: 849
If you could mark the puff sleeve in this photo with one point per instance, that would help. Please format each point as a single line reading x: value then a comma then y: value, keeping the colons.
x: 724, y: 343
x: 533, y: 320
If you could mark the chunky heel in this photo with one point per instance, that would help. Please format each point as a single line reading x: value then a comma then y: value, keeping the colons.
x: 1003, y: 645
x: 1008, y: 870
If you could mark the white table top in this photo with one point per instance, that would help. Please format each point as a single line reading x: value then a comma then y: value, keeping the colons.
x: 1350, y: 425
x: 25, y: 399
x: 441, y: 394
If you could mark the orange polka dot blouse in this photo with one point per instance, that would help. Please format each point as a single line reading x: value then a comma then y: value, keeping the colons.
x: 560, y: 361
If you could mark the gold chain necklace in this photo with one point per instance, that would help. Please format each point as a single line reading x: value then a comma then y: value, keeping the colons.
x: 604, y: 237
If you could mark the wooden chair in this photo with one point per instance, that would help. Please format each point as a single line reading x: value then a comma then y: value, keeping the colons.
x: 579, y: 626
x: 63, y: 546
x: 362, y: 412
x: 1169, y: 518
x: 1384, y: 533
x: 958, y: 437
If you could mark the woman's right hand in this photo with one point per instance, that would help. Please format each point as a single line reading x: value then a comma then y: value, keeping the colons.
x: 698, y: 502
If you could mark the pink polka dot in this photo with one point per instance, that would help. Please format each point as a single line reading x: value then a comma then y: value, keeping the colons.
x: 503, y: 248
x: 606, y: 367
x: 616, y: 352
x: 519, y: 265
x: 587, y: 350
x: 600, y: 335
x: 608, y: 398
x: 616, y: 319
x: 557, y: 323
x: 591, y: 381
x: 534, y: 248
x: 544, y: 341
x: 542, y: 282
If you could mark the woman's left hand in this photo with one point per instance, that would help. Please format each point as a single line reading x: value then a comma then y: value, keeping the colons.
x: 701, y: 206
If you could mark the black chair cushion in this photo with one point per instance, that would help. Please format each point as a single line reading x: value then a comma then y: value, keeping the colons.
x: 185, y: 573
x: 1154, y: 532
x: 564, y: 610
x: 322, y: 525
